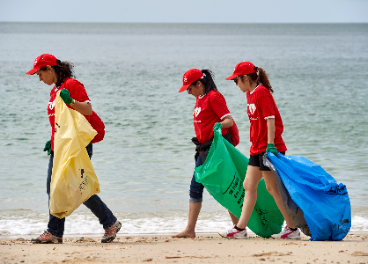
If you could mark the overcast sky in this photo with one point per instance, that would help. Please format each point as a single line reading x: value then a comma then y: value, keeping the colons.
x: 189, y: 11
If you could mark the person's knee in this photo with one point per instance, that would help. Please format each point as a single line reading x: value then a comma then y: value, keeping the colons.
x: 273, y: 190
x: 249, y: 187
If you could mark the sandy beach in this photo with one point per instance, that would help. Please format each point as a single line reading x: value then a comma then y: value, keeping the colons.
x: 205, y: 248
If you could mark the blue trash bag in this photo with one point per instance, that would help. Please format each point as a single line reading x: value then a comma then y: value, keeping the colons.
x: 293, y: 210
x: 324, y: 202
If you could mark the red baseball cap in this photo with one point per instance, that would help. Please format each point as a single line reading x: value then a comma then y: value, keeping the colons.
x: 243, y: 68
x: 189, y: 77
x: 42, y: 61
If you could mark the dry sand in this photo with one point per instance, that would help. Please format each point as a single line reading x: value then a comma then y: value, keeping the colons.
x: 203, y: 249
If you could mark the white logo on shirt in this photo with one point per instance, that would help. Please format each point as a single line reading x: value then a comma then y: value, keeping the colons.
x: 51, y: 105
x: 252, y: 108
x: 197, y: 110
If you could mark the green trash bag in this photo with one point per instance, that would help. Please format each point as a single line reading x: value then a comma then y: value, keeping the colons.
x: 223, y: 174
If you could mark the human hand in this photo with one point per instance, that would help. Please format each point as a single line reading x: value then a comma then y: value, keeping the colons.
x: 217, y: 126
x: 48, y: 147
x: 65, y: 95
x: 271, y: 148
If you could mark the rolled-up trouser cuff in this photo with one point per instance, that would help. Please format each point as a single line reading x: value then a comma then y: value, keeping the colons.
x: 196, y: 189
x: 195, y: 200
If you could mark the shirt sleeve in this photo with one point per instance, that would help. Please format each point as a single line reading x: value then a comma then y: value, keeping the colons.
x: 267, y: 104
x: 218, y: 105
x: 77, y: 91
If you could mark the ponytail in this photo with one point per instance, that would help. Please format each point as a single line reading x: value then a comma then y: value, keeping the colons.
x: 207, y: 80
x: 263, y: 78
x: 63, y: 70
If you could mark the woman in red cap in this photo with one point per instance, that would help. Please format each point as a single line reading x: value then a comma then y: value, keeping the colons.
x: 265, y: 134
x: 210, y: 109
x: 60, y: 74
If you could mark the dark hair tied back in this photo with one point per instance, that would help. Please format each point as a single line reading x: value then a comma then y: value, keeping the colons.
x: 207, y: 80
x: 64, y: 70
x: 261, y: 77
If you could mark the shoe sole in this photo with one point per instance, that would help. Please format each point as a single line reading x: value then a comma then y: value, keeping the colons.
x: 47, y: 242
x: 221, y: 235
x: 295, y: 238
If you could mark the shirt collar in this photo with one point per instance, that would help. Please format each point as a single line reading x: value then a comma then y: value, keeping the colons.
x: 256, y: 87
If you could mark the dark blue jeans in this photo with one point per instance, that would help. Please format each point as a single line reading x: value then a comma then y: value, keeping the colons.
x: 196, y: 189
x: 94, y: 203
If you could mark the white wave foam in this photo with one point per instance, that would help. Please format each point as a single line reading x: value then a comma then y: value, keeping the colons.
x: 82, y: 223
x: 359, y: 223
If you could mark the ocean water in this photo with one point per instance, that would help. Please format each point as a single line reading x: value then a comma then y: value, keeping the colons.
x: 132, y: 73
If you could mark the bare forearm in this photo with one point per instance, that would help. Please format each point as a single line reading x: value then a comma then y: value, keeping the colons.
x: 82, y: 107
x: 271, y: 130
x: 227, y: 122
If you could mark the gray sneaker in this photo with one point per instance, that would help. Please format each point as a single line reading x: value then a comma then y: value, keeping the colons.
x: 110, y: 232
x: 47, y: 238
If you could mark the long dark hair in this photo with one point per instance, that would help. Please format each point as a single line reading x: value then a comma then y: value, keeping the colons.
x: 261, y: 77
x: 63, y: 70
x: 207, y: 80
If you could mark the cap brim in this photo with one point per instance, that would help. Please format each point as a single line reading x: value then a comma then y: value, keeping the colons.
x: 232, y: 77
x: 31, y: 72
x: 184, y: 87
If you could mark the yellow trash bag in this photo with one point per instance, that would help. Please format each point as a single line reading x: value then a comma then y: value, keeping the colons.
x: 73, y: 179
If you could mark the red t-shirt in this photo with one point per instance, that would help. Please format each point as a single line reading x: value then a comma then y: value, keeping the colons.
x: 262, y: 106
x: 77, y: 92
x: 208, y: 110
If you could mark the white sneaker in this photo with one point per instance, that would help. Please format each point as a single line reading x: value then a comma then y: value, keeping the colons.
x: 234, y: 233
x: 287, y: 233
